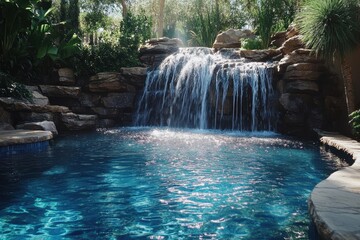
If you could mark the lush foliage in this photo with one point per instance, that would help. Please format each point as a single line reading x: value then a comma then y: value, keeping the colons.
x: 251, y: 44
x: 111, y: 55
x: 29, y: 41
x: 10, y: 88
x: 330, y: 27
x: 269, y: 16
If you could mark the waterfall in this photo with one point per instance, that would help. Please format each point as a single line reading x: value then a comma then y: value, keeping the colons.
x: 196, y: 88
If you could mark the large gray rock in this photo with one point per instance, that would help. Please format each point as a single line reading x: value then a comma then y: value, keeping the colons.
x: 6, y: 126
x: 154, y: 51
x: 60, y: 91
x: 5, y: 120
x: 161, y: 46
x: 300, y: 86
x: 37, y: 97
x: 109, y: 82
x: 298, y: 56
x: 35, y: 117
x: 296, y: 103
x: 259, y: 55
x: 278, y: 39
x: 304, y: 71
x: 66, y: 76
x: 45, y: 125
x: 135, y: 75
x: 119, y: 100
x: 89, y: 100
x: 292, y: 44
x: 232, y: 38
x: 73, y: 121
x: 15, y: 105
x: 292, y: 31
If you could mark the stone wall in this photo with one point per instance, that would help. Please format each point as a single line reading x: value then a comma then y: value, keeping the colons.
x: 106, y: 100
x: 309, y: 94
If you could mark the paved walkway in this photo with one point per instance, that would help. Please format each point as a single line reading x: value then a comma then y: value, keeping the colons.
x: 14, y: 137
x: 334, y: 203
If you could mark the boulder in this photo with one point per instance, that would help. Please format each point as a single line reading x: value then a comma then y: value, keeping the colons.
x: 37, y: 97
x: 300, y: 86
x: 14, y: 105
x: 119, y: 100
x: 161, y: 46
x: 259, y: 55
x: 60, y: 91
x: 298, y: 56
x: 295, y: 103
x: 135, y: 76
x: 66, y: 76
x: 109, y: 82
x: 292, y: 31
x: 153, y: 60
x: 35, y: 117
x: 5, y: 120
x: 294, y: 119
x: 154, y: 51
x: 292, y: 44
x: 5, y: 116
x: 278, y: 39
x: 44, y: 125
x: 73, y: 121
x: 106, y: 112
x: 89, y: 100
x: 6, y: 126
x: 231, y: 38
x: 304, y: 71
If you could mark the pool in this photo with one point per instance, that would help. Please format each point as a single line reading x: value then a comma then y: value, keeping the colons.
x: 158, y: 183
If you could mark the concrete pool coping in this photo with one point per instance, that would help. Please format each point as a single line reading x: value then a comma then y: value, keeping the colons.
x: 16, y: 137
x: 334, y: 203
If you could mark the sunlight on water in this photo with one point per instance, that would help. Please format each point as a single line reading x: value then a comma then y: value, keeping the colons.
x: 159, y: 183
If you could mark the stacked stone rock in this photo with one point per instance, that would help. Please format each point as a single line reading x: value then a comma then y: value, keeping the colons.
x: 309, y: 94
x: 108, y: 99
x: 309, y: 91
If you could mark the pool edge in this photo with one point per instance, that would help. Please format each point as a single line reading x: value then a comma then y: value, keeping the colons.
x: 18, y: 138
x: 334, y: 203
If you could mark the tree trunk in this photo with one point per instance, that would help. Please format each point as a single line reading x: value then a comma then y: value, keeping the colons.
x: 74, y: 13
x: 160, y: 28
x: 124, y: 8
x: 348, y: 85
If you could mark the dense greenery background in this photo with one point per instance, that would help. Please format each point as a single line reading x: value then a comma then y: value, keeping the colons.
x: 37, y: 37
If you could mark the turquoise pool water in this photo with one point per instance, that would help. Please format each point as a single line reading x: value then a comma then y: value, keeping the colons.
x: 149, y: 183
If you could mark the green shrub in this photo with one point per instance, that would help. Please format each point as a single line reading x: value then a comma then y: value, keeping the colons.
x: 103, y: 57
x: 251, y: 43
x: 111, y: 55
x: 10, y: 88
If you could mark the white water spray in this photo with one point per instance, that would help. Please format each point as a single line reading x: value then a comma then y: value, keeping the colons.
x: 196, y: 88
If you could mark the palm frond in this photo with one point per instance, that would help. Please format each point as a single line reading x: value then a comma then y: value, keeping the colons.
x: 330, y: 27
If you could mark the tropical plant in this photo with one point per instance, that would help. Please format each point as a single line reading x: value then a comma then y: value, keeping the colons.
x: 205, y: 25
x: 15, y: 20
x: 332, y: 29
x: 10, y: 88
x: 251, y: 43
x: 269, y: 16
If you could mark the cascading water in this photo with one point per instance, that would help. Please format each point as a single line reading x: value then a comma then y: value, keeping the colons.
x: 196, y: 88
